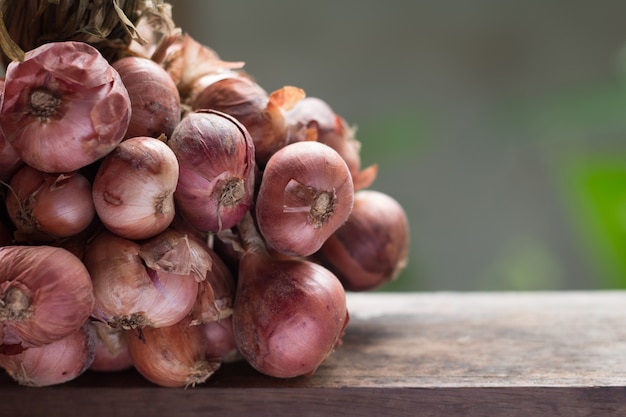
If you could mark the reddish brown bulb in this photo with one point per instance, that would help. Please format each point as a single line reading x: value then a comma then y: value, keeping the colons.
x: 372, y: 247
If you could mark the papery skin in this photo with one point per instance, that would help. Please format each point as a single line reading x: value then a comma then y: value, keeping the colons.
x: 153, y: 94
x: 54, y: 363
x: 173, y: 356
x: 89, y: 116
x: 214, y: 152
x: 291, y: 180
x: 133, y: 191
x: 371, y: 248
x: 111, y: 353
x: 288, y: 315
x: 126, y: 294
x: 45, y: 207
x: 55, y: 290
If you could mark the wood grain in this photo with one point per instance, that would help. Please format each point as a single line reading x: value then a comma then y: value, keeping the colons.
x: 428, y: 354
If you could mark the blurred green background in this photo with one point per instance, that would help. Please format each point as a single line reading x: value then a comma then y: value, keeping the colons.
x: 499, y: 125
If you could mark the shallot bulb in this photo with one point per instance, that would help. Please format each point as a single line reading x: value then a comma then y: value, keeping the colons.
x: 313, y: 119
x: 192, y: 65
x: 153, y: 96
x: 133, y: 190
x: 372, y: 247
x: 216, y: 158
x: 64, y: 106
x: 111, y: 353
x: 9, y: 159
x: 44, y: 207
x: 289, y: 314
x: 260, y: 113
x: 306, y: 193
x: 216, y: 291
x: 45, y: 294
x: 173, y: 356
x: 221, y: 343
x: 54, y: 363
x: 139, y: 284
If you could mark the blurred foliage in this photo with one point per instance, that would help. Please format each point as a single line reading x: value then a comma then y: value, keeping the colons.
x: 582, y: 131
x: 596, y: 189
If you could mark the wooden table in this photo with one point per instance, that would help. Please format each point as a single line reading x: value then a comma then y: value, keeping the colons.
x: 424, y: 354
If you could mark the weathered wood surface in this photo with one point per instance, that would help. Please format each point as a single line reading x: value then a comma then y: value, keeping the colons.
x: 430, y: 354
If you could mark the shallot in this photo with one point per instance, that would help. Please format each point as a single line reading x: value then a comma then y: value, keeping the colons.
x: 45, y: 294
x: 306, y: 193
x: 216, y: 182
x: 173, y: 356
x: 45, y: 207
x: 371, y: 248
x: 289, y: 314
x: 153, y: 95
x: 64, y: 106
x: 111, y: 353
x: 133, y: 190
x: 134, y: 286
x: 54, y: 363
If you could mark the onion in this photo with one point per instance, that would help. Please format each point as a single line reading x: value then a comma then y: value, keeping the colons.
x: 45, y: 294
x: 190, y: 64
x: 216, y: 182
x: 9, y: 159
x: 136, y: 285
x: 54, y: 363
x: 153, y: 95
x: 221, y: 343
x: 216, y: 291
x: 133, y: 190
x: 260, y: 113
x: 173, y: 356
x: 64, y: 106
x: 288, y: 314
x: 306, y: 193
x: 45, y: 207
x: 111, y: 353
x: 372, y: 247
x: 313, y: 119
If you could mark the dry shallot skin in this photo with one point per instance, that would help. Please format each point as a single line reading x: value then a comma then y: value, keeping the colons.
x: 216, y: 292
x: 111, y: 352
x: 217, y: 169
x: 153, y: 95
x: 289, y: 315
x: 313, y: 119
x: 133, y: 191
x: 221, y: 343
x: 63, y: 107
x: 371, y: 248
x: 192, y: 65
x: 45, y: 294
x: 54, y: 363
x: 260, y: 113
x: 306, y: 193
x: 172, y: 356
x: 9, y: 159
x: 132, y: 287
x: 45, y: 207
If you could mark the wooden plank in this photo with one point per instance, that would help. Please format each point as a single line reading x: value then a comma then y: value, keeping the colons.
x: 471, y: 354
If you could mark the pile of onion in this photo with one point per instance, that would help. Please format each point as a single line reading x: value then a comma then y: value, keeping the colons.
x: 161, y: 211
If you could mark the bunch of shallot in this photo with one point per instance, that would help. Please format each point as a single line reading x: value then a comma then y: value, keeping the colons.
x: 161, y: 211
